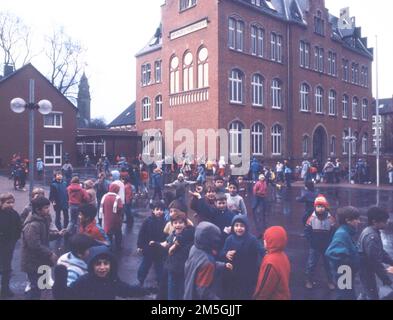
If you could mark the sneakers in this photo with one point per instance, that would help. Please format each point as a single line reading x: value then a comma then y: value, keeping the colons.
x: 309, y: 284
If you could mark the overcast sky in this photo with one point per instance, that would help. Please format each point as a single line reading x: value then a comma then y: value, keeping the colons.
x: 113, y: 31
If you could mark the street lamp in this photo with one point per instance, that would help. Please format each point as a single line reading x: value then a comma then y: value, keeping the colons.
x: 350, y: 139
x: 18, y: 105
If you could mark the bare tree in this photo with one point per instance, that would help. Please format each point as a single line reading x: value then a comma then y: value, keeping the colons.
x: 66, y: 62
x: 15, y: 40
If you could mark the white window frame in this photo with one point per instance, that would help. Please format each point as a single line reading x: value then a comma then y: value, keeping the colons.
x: 158, y: 71
x: 158, y: 107
x: 365, y: 144
x: 232, y: 33
x: 257, y: 139
x: 276, y: 136
x: 55, y: 115
x: 276, y: 90
x: 365, y: 110
x: 304, y: 97
x: 332, y: 103
x: 240, y: 35
x: 257, y: 85
x: 333, y: 143
x: 188, y: 73
x: 146, y: 74
x: 186, y: 4
x: 345, y: 104
x: 236, y: 87
x: 54, y: 157
x: 355, y: 108
x: 146, y: 112
x: 306, y: 145
x: 235, y: 138
x: 319, y: 92
x: 203, y: 70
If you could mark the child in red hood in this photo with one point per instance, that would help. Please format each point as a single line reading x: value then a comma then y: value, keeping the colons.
x: 273, y: 279
x: 111, y: 212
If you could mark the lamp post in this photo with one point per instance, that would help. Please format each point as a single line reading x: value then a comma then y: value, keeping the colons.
x: 18, y: 105
x: 350, y: 139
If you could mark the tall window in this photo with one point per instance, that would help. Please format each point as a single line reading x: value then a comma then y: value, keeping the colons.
x: 365, y: 144
x: 257, y: 41
x: 319, y: 59
x: 306, y: 145
x: 332, y: 103
x: 203, y: 68
x: 305, y: 97
x: 157, y: 69
x: 239, y: 35
x: 319, y: 24
x: 146, y: 74
x: 332, y: 63
x: 276, y: 94
x: 355, y: 73
x: 333, y: 146
x: 158, y: 143
x: 355, y: 108
x: 235, y: 138
x: 345, y: 70
x: 355, y: 143
x: 236, y: 86
x: 257, y: 137
x: 345, y: 106
x: 366, y: 79
x: 319, y: 100
x: 276, y: 42
x: 257, y: 90
x: 277, y: 140
x: 188, y: 72
x: 53, y: 153
x: 174, y: 75
x: 146, y: 109
x: 304, y: 54
x: 185, y: 4
x: 365, y: 110
x: 236, y: 34
x: 345, y: 142
x: 158, y: 108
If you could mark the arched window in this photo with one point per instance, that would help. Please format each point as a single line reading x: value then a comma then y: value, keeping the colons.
x: 146, y: 109
x: 158, y: 143
x: 174, y: 75
x: 306, y: 145
x: 277, y: 140
x: 188, y: 72
x: 345, y: 106
x: 365, y: 110
x: 332, y: 103
x: 203, y: 68
x: 345, y: 142
x: 333, y: 146
x: 236, y: 86
x: 355, y: 108
x: 355, y: 143
x: 257, y: 90
x: 257, y: 139
x: 276, y: 94
x: 305, y: 97
x: 158, y: 108
x: 319, y: 100
x: 236, y: 34
x: 235, y: 138
x: 365, y: 144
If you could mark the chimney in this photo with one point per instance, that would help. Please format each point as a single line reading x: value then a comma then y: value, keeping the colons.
x: 8, y: 69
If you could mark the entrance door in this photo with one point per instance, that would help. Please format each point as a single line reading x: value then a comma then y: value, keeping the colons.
x: 320, y: 145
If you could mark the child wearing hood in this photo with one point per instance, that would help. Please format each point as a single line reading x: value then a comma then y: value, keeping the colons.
x: 102, y: 281
x: 320, y: 227
x: 111, y: 212
x: 201, y: 268
x: 244, y: 252
x: 116, y: 180
x: 273, y: 279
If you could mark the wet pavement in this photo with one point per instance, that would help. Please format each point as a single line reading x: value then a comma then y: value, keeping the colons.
x: 283, y: 210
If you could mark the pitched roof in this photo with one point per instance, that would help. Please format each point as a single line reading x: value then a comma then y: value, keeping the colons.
x: 126, y: 118
x: 154, y: 44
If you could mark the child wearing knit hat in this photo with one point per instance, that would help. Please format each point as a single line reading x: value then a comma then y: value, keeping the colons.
x: 319, y: 231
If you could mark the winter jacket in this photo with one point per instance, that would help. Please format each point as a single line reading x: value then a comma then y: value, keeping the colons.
x: 373, y: 255
x: 152, y: 230
x: 239, y: 284
x: 273, y: 279
x: 116, y: 180
x: 10, y: 226
x: 77, y: 195
x: 95, y: 231
x: 111, y: 209
x: 92, y: 197
x: 76, y: 267
x: 58, y: 195
x: 255, y: 166
x: 343, y: 250
x: 128, y: 193
x: 157, y: 180
x: 101, y: 187
x: 175, y: 262
x: 319, y: 231
x: 91, y: 287
x: 260, y: 189
x: 180, y: 187
x: 35, y: 243
x: 236, y: 204
x: 201, y: 267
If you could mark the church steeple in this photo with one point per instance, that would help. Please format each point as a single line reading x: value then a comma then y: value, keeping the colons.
x: 84, y: 101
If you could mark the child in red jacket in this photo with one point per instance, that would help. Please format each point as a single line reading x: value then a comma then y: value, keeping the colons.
x: 273, y: 279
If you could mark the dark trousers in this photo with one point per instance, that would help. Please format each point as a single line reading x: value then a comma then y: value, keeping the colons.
x: 118, y: 235
x: 369, y: 284
x: 288, y: 179
x: 65, y: 218
x: 157, y: 192
x: 175, y: 286
x: 312, y: 263
x: 73, y: 226
x: 6, y: 253
x: 262, y: 203
x: 35, y: 292
x: 147, y: 262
